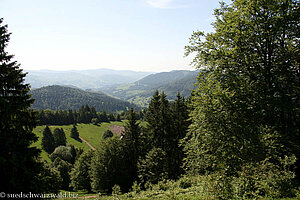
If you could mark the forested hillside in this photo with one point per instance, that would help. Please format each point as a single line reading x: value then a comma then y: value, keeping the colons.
x: 63, y: 98
x: 171, y: 83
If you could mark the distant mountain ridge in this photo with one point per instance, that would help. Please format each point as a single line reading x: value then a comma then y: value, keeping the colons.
x: 141, y: 91
x: 63, y: 98
x: 85, y: 79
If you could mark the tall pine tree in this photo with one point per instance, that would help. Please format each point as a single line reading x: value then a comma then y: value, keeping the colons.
x: 18, y: 165
x: 132, y: 140
x: 48, y: 143
x: 74, y: 133
x: 59, y: 137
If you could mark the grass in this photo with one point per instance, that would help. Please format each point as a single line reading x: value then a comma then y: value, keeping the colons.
x: 91, y: 133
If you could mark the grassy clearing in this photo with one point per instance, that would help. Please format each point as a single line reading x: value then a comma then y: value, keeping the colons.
x: 91, y: 133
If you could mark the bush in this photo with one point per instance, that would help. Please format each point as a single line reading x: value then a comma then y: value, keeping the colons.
x: 265, y: 179
x: 116, y: 190
x: 63, y: 153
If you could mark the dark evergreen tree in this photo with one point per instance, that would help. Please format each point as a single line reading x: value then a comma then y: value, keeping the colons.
x: 103, y: 117
x: 59, y: 137
x: 167, y: 125
x: 132, y: 140
x: 75, y: 152
x: 48, y: 143
x: 74, y: 133
x: 18, y: 159
x: 180, y: 119
x: 153, y: 119
x: 71, y: 118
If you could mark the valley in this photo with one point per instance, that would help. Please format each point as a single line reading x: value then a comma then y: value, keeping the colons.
x: 112, y: 96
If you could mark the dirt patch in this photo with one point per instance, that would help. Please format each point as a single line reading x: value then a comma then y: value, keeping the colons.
x: 117, y: 129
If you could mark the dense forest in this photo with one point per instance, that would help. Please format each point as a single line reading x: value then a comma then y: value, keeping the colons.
x: 236, y: 137
x: 64, y: 98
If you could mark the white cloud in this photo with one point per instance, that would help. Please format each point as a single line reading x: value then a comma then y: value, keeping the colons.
x: 160, y: 3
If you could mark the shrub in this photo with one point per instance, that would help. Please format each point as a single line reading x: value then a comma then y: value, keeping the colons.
x: 116, y: 190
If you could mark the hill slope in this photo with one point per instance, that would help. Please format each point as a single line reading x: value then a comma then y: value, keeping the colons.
x: 141, y: 91
x: 85, y: 79
x: 63, y: 98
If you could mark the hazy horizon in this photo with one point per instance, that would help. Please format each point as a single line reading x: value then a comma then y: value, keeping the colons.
x: 137, y: 35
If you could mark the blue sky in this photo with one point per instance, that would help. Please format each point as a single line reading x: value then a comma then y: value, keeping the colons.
x: 140, y: 35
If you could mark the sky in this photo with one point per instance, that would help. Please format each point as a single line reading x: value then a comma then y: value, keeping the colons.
x: 139, y: 35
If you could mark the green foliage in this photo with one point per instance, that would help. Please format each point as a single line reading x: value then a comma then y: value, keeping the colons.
x: 48, y: 143
x: 133, y: 142
x: 59, y: 137
x: 246, y: 107
x: 62, y: 152
x: 64, y: 169
x: 95, y: 121
x: 80, y: 177
x: 116, y: 190
x: 64, y: 98
x: 107, y: 134
x: 167, y: 125
x: 265, y: 179
x: 153, y: 167
x: 50, y: 178
x: 109, y: 166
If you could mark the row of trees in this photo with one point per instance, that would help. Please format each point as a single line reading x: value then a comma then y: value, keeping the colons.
x: 86, y: 114
x: 58, y: 138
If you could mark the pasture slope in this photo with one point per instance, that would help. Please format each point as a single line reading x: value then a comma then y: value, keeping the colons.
x: 89, y: 132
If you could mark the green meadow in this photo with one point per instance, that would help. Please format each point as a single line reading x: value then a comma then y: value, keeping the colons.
x: 90, y: 132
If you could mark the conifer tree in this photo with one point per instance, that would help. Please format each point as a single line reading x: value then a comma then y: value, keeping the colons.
x: 165, y: 130
x: 74, y: 133
x: 179, y: 128
x: 59, y: 137
x: 48, y: 143
x: 18, y: 159
x: 132, y: 140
